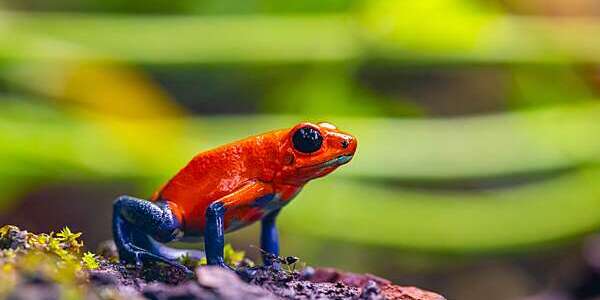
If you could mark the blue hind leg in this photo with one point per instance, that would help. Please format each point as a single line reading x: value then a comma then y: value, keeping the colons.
x: 135, y: 221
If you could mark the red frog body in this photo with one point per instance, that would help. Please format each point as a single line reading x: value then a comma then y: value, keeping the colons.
x: 242, y: 182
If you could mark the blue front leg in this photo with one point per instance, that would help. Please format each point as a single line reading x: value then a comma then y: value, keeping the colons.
x: 214, y: 235
x: 214, y: 240
x: 269, y: 239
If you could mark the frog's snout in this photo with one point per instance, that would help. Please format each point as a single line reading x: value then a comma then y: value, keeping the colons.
x: 348, y: 144
x: 345, y: 144
x: 346, y: 149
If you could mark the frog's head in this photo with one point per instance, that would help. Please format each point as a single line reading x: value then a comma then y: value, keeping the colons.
x: 310, y: 151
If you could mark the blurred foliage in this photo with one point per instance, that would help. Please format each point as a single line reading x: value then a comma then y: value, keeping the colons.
x: 547, y: 140
x: 82, y: 102
x: 393, y: 30
x: 533, y: 88
x: 186, y: 6
x: 329, y: 91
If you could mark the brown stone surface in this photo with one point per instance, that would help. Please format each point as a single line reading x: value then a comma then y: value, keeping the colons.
x: 387, y: 289
x: 113, y: 280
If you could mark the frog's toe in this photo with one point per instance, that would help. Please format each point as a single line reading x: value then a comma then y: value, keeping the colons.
x: 147, y: 257
x: 140, y: 257
x: 130, y: 254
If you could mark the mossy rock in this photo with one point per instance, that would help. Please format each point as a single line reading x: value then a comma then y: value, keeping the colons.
x: 54, y: 266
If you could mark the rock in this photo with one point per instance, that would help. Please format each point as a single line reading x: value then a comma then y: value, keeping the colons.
x: 366, y: 282
x: 394, y: 292
x: 292, y: 285
x: 35, y: 291
x: 227, y: 285
x: 351, y: 279
x: 212, y: 283
x: 114, y: 292
x: 108, y: 250
x: 371, y: 291
x: 110, y: 279
x: 11, y: 237
x: 188, y: 290
x: 103, y: 277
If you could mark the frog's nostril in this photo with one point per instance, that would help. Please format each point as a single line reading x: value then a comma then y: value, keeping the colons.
x: 345, y: 144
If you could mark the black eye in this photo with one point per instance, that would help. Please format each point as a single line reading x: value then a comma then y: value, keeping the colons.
x: 307, y: 140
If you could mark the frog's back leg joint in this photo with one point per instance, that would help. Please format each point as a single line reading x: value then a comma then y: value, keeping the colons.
x: 138, y: 224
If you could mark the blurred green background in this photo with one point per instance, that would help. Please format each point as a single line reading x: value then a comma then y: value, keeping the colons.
x: 477, y: 174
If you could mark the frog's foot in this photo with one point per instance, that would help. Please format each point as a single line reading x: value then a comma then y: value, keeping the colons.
x: 275, y: 266
x: 140, y: 257
x: 271, y: 260
x: 171, y: 253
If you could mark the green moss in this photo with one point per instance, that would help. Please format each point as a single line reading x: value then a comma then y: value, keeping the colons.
x: 90, y: 261
x: 190, y: 262
x: 53, y: 257
x: 58, y: 260
x: 233, y: 257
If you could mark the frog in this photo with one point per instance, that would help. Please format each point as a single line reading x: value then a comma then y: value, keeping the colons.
x: 225, y: 189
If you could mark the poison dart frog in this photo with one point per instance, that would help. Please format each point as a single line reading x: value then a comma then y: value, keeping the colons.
x: 225, y: 189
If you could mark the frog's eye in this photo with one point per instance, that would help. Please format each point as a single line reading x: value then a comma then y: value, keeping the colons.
x: 307, y: 139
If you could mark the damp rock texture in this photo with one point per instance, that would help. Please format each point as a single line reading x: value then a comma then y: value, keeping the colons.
x: 53, y: 266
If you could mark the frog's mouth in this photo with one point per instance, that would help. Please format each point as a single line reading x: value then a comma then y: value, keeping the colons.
x: 338, y: 161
